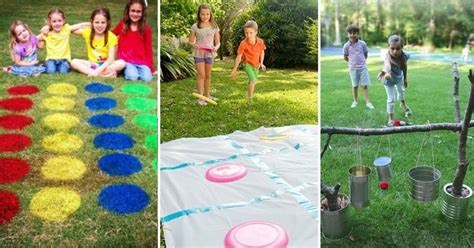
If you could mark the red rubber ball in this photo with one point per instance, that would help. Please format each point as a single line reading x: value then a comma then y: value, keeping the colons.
x: 383, y: 184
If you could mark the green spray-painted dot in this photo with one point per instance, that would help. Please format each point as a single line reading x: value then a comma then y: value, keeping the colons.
x: 154, y: 164
x: 136, y: 89
x: 147, y: 121
x: 151, y: 142
x: 140, y: 104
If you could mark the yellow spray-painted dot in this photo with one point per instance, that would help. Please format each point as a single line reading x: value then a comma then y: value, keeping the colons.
x: 62, y: 89
x: 62, y: 142
x: 60, y: 121
x: 58, y: 103
x: 63, y: 168
x: 55, y: 203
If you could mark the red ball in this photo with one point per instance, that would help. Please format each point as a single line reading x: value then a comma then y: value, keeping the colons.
x: 383, y: 184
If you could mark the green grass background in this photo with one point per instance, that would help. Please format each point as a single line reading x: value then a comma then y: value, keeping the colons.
x: 90, y: 225
x: 393, y: 219
x: 282, y: 97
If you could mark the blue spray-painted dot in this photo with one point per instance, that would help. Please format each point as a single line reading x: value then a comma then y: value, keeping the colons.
x: 100, y: 103
x: 119, y: 164
x: 98, y: 88
x: 113, y: 141
x: 106, y: 120
x: 123, y: 198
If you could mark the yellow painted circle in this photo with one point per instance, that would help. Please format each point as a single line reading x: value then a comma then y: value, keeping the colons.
x: 55, y: 203
x: 63, y: 168
x: 62, y: 142
x: 60, y: 121
x: 62, y: 89
x: 58, y: 103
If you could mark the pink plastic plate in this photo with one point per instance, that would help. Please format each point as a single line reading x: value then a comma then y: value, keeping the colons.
x: 256, y: 234
x: 226, y: 173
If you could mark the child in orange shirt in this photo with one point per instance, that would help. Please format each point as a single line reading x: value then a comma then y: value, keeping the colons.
x: 252, y: 53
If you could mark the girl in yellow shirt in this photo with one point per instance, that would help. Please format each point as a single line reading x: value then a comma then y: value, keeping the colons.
x: 101, y: 48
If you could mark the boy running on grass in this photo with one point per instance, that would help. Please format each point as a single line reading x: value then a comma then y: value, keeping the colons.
x: 355, y: 53
x: 252, y: 53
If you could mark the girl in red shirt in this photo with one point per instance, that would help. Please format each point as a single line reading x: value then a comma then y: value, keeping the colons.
x: 135, y: 42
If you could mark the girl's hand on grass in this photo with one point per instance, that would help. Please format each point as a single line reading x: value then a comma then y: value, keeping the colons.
x: 233, y: 75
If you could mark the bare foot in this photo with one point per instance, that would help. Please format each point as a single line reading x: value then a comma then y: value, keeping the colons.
x: 37, y: 74
x: 7, y: 68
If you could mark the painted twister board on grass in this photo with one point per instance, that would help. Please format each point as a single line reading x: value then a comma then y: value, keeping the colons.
x: 279, y: 187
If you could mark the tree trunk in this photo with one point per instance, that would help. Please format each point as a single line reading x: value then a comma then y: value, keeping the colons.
x: 457, y: 109
x: 327, y: 24
x: 463, y: 163
x: 337, y: 42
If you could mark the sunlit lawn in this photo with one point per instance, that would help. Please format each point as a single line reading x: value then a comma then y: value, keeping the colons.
x: 283, y: 97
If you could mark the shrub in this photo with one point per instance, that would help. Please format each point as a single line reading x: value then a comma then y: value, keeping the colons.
x: 175, y: 64
x: 282, y: 27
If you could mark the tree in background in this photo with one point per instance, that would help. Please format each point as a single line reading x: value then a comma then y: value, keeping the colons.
x: 282, y: 27
x: 420, y: 22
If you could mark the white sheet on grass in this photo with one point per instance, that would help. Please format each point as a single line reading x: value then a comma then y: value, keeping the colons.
x: 281, y: 186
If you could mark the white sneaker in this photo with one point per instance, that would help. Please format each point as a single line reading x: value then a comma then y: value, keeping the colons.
x: 370, y: 106
x: 354, y: 104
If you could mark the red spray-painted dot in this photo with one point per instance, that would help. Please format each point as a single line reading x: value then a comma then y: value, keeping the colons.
x: 12, y: 169
x: 16, y: 104
x: 15, y: 122
x: 23, y: 90
x: 14, y: 142
x: 9, y: 206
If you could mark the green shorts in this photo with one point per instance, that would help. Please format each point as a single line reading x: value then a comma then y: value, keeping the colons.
x: 251, y: 71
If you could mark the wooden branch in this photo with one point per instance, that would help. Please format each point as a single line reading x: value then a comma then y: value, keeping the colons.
x: 457, y: 109
x: 455, y: 127
x: 331, y: 194
x: 463, y: 163
x: 325, y: 146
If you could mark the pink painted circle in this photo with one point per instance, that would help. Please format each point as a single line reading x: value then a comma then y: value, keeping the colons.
x: 256, y: 234
x: 226, y: 173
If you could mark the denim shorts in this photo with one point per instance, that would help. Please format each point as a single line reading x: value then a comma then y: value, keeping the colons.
x: 208, y: 61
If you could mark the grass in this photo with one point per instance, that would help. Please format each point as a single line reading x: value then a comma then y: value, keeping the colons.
x: 392, y: 218
x: 283, y: 97
x: 90, y: 225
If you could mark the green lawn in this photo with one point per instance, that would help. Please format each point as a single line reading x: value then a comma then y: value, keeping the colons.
x: 283, y: 97
x: 393, y: 218
x: 90, y: 225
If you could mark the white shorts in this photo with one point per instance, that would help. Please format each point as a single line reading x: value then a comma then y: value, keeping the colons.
x: 359, y: 76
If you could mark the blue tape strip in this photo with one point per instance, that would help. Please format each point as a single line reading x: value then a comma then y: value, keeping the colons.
x: 230, y: 158
x: 256, y: 200
x: 300, y: 198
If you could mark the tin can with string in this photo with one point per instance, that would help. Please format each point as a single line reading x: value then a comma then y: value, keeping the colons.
x: 359, y: 177
x: 383, y: 166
